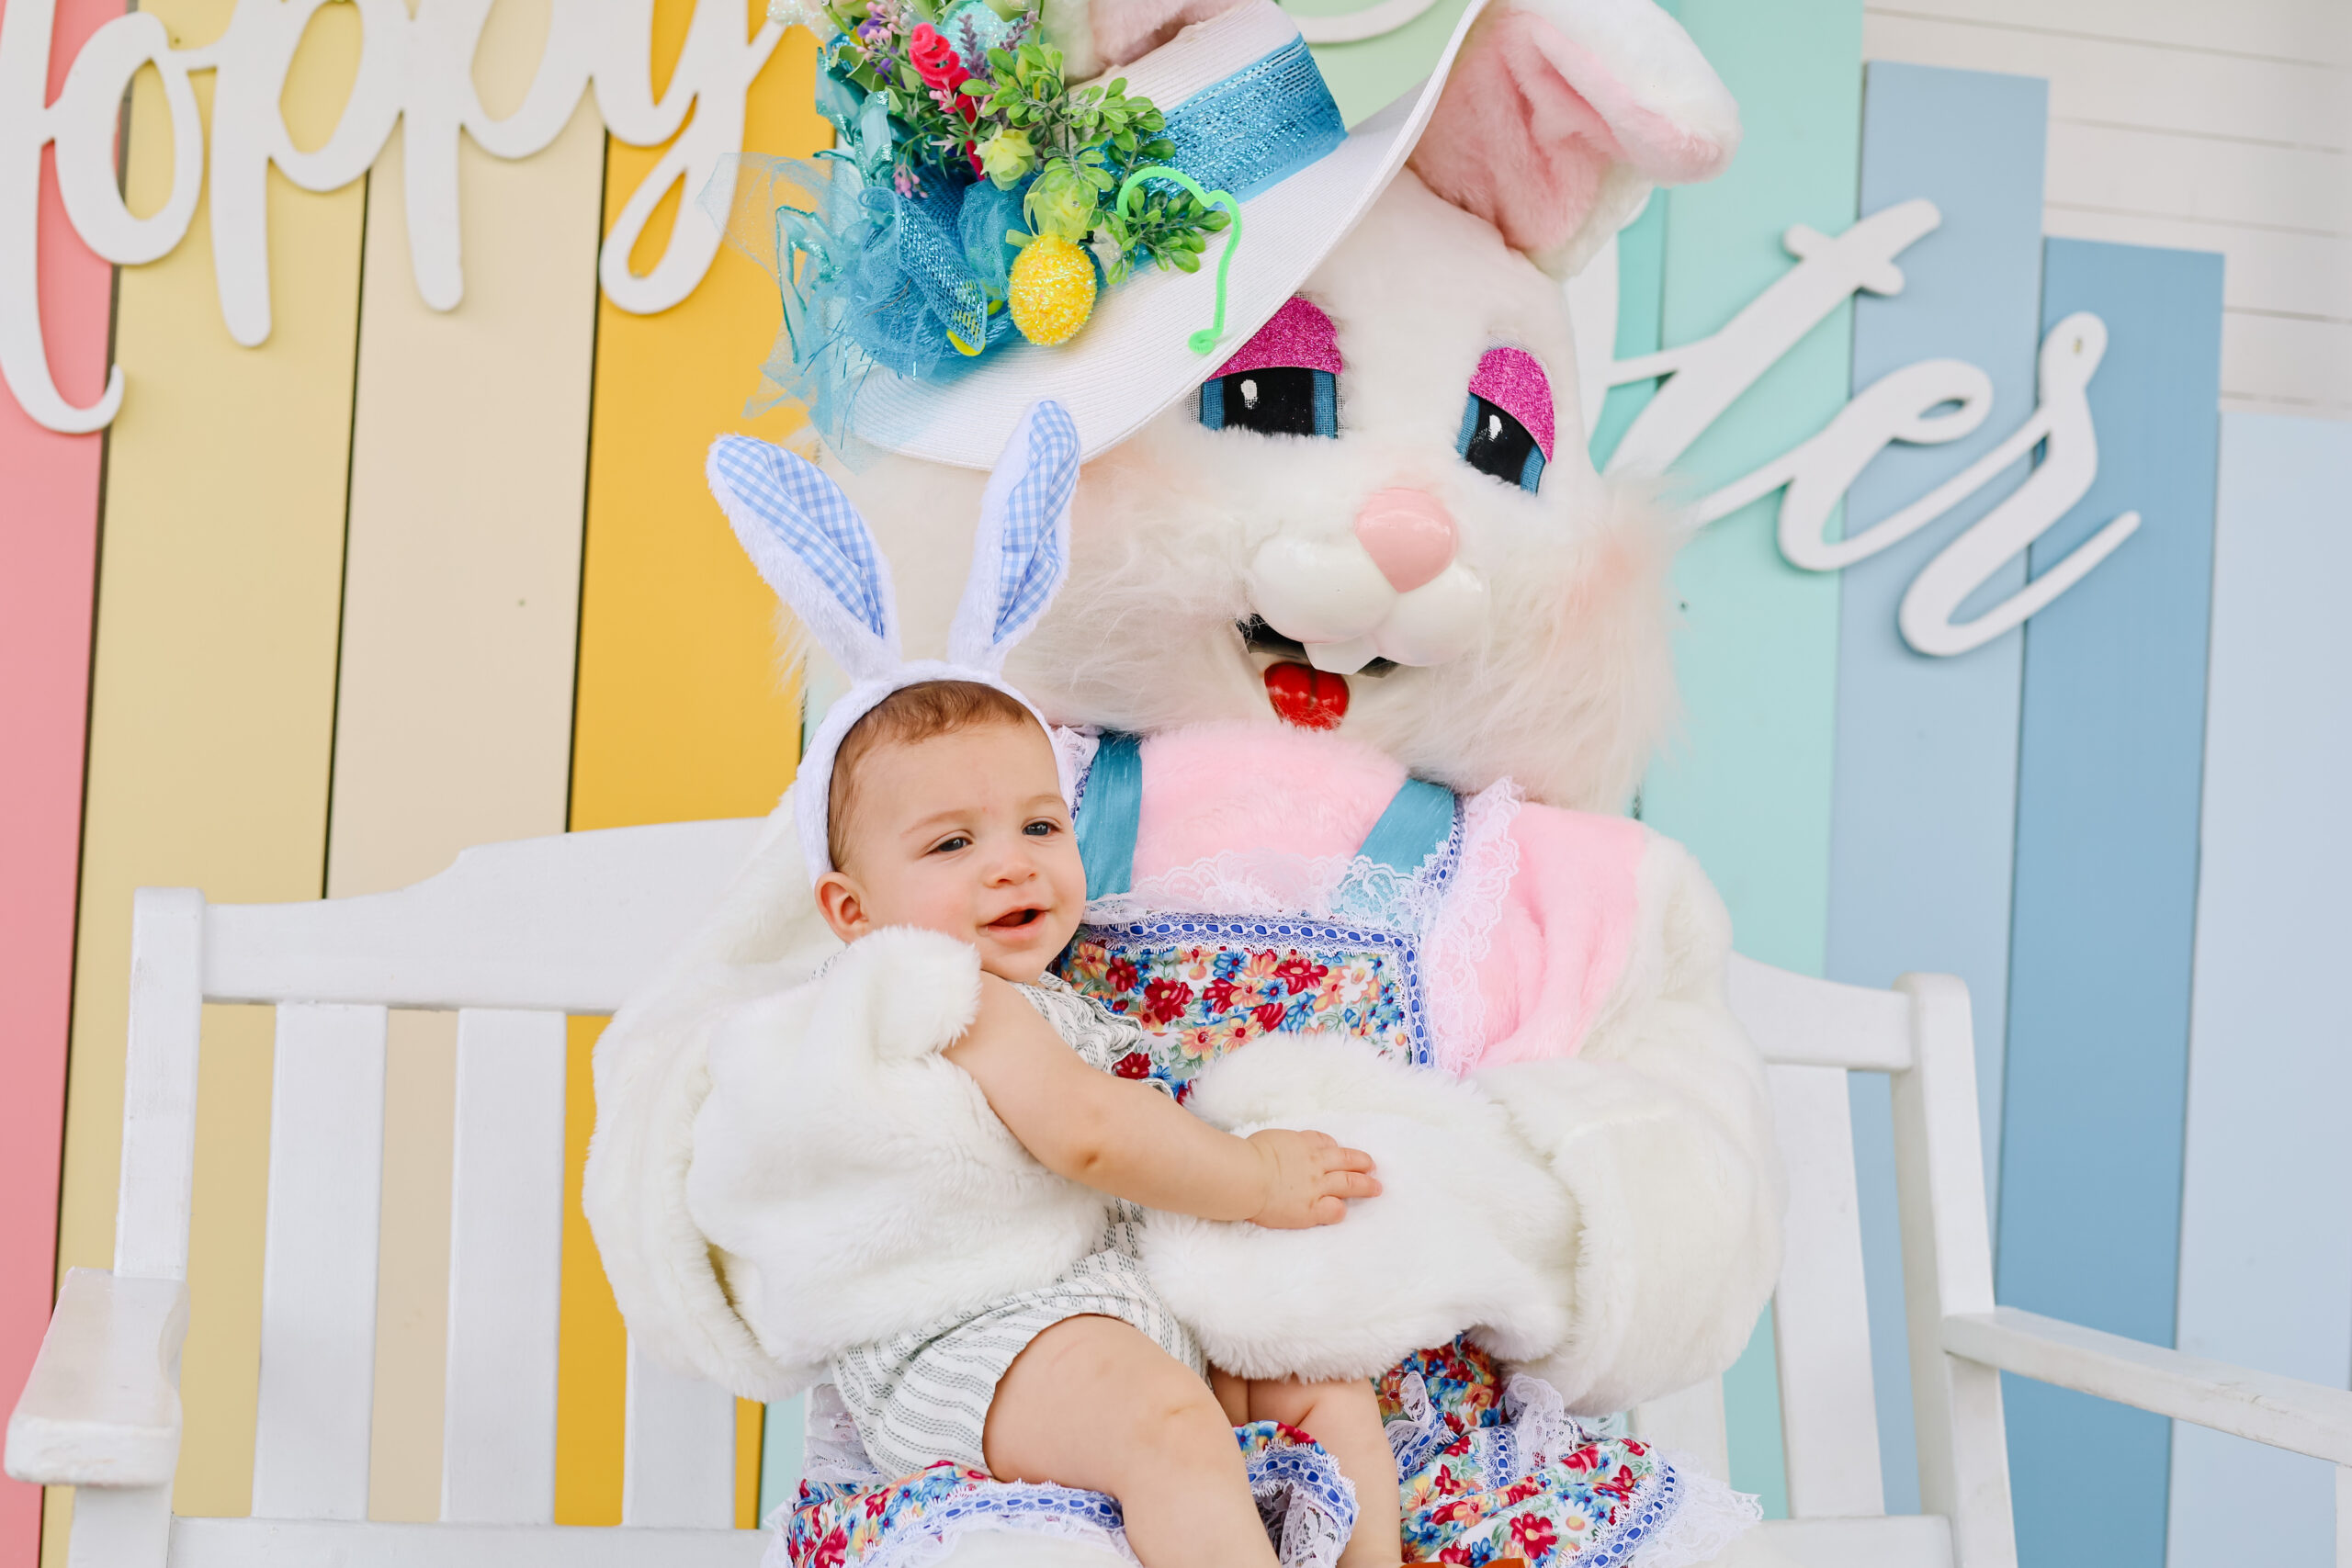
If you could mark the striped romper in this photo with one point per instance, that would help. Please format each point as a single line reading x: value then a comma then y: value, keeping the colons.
x: 922, y: 1396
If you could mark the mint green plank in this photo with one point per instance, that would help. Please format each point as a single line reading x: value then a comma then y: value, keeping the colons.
x: 1366, y: 77
x: 1641, y: 301
x: 1748, y: 787
x: 780, y: 1441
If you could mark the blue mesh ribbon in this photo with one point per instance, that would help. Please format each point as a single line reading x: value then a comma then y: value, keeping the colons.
x: 1259, y: 126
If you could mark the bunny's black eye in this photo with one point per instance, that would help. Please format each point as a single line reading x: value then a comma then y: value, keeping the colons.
x: 1507, y: 426
x: 1277, y: 399
x: 1493, y: 442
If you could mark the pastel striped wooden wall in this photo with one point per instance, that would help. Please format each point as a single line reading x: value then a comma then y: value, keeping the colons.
x: 2194, y: 126
x: 1747, y: 786
x: 342, y: 631
x: 2266, y: 1262
x: 1925, y: 795
x: 680, y: 713
x: 214, y: 687
x: 49, y: 534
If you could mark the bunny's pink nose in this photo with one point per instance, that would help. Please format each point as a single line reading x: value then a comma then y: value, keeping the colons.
x: 1408, y: 535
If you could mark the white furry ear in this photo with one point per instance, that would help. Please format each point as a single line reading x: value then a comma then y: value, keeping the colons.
x: 1561, y: 115
x: 1021, y: 552
x: 812, y: 547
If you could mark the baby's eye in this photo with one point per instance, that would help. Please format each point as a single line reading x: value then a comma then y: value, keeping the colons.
x: 1044, y: 827
x: 1507, y: 423
x: 949, y: 845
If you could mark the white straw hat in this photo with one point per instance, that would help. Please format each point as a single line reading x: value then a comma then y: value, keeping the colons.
x: 1572, y: 110
x: 1134, y: 357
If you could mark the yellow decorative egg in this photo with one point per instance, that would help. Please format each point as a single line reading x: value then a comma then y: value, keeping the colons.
x: 1051, y: 290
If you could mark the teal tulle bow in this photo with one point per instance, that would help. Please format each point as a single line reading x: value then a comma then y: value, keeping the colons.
x: 870, y: 275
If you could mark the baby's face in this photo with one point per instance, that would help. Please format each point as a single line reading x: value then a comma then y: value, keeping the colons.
x: 966, y: 834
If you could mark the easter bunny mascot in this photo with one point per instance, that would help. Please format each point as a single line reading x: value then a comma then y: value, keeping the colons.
x: 1359, y: 661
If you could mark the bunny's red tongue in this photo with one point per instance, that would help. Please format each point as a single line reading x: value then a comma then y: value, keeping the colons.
x: 1306, y: 696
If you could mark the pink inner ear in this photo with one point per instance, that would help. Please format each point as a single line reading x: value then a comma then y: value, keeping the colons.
x: 1530, y: 122
x: 1513, y: 380
x: 1299, y: 336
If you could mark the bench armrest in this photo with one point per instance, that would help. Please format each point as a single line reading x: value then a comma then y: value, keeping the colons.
x: 2284, y: 1412
x: 102, y: 1406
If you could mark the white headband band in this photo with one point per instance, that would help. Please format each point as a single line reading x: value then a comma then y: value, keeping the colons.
x: 812, y: 547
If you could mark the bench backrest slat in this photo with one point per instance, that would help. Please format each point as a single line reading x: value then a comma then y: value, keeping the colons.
x: 506, y: 1269
x: 318, y: 1300
x: 679, y: 1464
x: 1828, y: 1411
x: 1800, y: 1021
x: 573, y: 923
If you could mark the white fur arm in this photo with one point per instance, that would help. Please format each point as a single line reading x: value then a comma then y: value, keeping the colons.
x: 764, y: 936
x: 1470, y: 1231
x: 1661, y: 1130
x: 854, y: 1179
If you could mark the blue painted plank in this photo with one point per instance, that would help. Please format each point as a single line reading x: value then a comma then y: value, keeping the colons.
x: 1749, y: 789
x: 1926, y: 785
x: 2112, y: 755
x: 2269, y: 1076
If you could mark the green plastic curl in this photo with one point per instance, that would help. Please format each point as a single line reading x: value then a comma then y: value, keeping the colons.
x: 1206, y: 338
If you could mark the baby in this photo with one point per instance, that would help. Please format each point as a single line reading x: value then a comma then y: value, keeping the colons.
x: 945, y: 813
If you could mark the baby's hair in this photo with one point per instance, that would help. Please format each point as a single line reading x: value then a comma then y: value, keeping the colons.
x: 921, y: 712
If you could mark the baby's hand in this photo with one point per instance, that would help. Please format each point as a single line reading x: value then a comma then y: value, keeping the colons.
x: 1310, y: 1178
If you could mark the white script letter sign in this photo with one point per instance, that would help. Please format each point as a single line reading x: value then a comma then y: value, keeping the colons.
x: 1931, y: 402
x: 416, y: 70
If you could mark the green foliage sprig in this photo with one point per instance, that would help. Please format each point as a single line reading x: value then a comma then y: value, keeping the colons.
x: 1019, y: 118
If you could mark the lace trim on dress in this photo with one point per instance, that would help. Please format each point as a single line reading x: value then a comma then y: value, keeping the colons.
x: 1075, y: 749
x: 1708, y: 1517
x: 1308, y: 1508
x: 1349, y: 889
x: 1711, y: 1517
x: 1465, y: 924
x: 1010, y: 1509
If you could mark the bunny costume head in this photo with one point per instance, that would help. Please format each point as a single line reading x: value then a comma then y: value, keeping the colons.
x: 812, y: 546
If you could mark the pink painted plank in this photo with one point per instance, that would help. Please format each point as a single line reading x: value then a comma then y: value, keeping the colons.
x: 49, y: 537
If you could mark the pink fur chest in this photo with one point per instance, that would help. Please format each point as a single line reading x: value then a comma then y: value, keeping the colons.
x: 1247, y: 787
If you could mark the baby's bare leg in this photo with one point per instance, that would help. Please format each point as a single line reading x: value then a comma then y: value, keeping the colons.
x: 1093, y: 1403
x: 1345, y: 1418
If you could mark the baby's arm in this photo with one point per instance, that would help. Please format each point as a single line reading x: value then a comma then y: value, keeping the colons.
x: 1133, y: 1142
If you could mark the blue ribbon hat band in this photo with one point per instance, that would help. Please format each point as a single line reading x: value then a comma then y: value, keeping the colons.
x: 1259, y: 126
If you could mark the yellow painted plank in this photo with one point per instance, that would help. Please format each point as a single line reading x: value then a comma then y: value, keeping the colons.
x: 681, y: 714
x: 213, y: 694
x: 453, y: 722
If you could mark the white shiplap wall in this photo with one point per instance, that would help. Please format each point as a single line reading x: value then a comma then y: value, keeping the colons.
x: 2209, y: 125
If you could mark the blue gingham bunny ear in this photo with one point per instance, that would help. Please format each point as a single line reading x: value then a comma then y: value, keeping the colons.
x: 812, y: 547
x: 1021, y: 552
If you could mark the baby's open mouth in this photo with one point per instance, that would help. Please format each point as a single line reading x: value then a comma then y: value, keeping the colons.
x: 1014, y: 919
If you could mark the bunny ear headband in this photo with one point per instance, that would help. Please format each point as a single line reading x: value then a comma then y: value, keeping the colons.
x: 813, y: 548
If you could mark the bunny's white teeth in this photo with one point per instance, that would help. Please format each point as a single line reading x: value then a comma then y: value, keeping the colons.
x: 1439, y: 621
x: 1341, y: 658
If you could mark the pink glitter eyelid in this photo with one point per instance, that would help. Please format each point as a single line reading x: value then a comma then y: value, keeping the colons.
x: 1300, y: 337
x: 1513, y: 380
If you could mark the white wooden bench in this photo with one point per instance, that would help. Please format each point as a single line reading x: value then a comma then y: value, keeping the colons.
x: 515, y: 936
